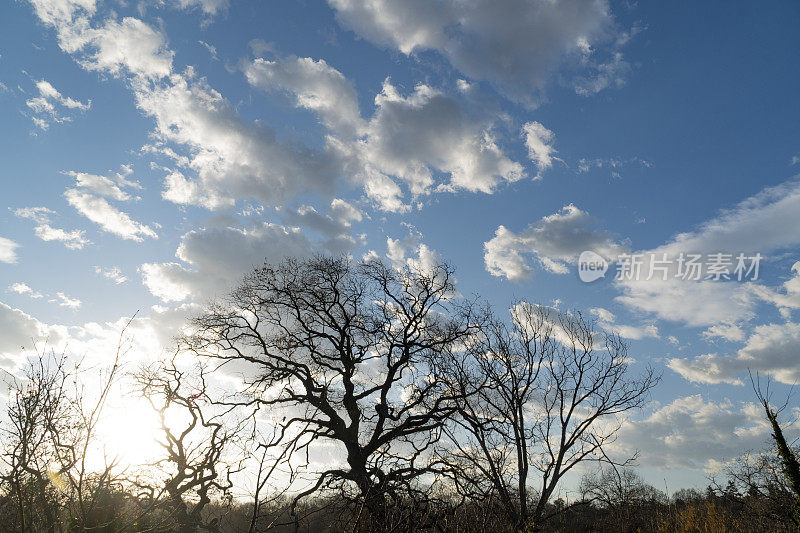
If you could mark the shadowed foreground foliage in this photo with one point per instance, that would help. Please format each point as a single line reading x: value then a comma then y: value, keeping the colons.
x: 647, y: 509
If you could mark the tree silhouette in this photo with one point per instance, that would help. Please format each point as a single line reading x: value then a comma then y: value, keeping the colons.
x: 346, y: 349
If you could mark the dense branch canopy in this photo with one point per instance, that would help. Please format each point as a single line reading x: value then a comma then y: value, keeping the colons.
x: 347, y: 350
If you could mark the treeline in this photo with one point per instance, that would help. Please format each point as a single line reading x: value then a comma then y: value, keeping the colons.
x: 325, y: 394
x: 632, y: 506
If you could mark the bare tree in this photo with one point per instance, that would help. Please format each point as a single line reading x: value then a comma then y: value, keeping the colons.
x: 50, y: 446
x: 787, y: 456
x: 345, y: 349
x: 536, y: 398
x: 198, y: 439
x: 37, y: 401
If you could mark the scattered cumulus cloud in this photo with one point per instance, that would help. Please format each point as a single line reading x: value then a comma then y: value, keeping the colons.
x: 410, y: 251
x: 555, y: 241
x: 112, y: 273
x: 231, y: 158
x: 765, y: 223
x: 8, y: 250
x: 694, y: 432
x: 25, y: 289
x: 315, y: 85
x: 66, y: 301
x: 213, y: 259
x: 607, y: 321
x: 90, y: 196
x: 772, y: 349
x: 539, y: 141
x: 729, y: 332
x: 50, y: 106
x: 41, y: 216
x: 118, y: 47
x: 413, y: 136
x: 532, y: 38
x: 110, y: 187
x: 409, y: 139
x: 60, y: 298
x: 222, y: 158
x: 108, y: 217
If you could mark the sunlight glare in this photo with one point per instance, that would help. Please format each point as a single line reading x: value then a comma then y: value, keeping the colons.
x: 128, y: 433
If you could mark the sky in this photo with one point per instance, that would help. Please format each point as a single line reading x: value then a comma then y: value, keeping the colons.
x: 155, y: 151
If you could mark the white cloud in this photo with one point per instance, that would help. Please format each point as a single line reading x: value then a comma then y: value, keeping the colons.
x: 607, y: 321
x: 51, y: 105
x: 66, y: 301
x: 764, y: 223
x: 113, y: 273
x: 767, y: 221
x: 110, y: 187
x: 603, y: 315
x: 8, y: 250
x: 315, y: 85
x: 334, y: 226
x: 208, y: 7
x: 695, y: 303
x: 60, y: 298
x: 19, y: 330
x: 411, y: 252
x: 24, y: 288
x: 232, y: 158
x: 219, y: 257
x: 57, y: 12
x: 108, y: 217
x: 411, y: 137
x: 788, y: 296
x: 74, y: 240
x: 730, y: 332
x: 146, y: 337
x: 539, y: 141
x: 555, y: 241
x: 514, y: 44
x: 772, y: 349
x: 129, y: 45
x: 114, y: 47
x: 692, y: 432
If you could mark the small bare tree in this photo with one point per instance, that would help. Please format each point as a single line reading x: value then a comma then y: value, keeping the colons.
x: 345, y: 350
x: 37, y: 401
x: 786, y: 455
x: 540, y: 395
x: 198, y: 440
x: 50, y: 446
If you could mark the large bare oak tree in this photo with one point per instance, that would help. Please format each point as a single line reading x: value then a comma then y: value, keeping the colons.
x: 346, y: 350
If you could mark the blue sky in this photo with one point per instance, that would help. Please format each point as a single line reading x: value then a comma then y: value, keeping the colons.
x: 154, y: 151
